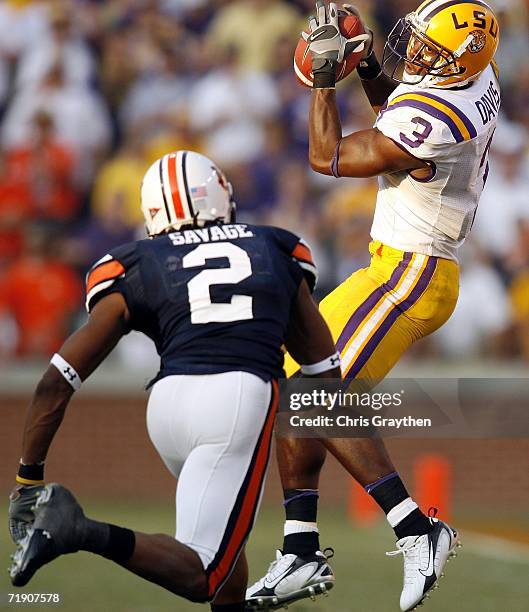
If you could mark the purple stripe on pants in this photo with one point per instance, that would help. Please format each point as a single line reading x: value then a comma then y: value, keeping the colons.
x: 392, y: 316
x: 365, y: 308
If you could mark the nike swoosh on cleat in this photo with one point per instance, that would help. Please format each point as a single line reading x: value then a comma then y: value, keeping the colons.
x: 430, y: 567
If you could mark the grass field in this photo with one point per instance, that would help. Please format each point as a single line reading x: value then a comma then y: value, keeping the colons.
x: 485, y: 577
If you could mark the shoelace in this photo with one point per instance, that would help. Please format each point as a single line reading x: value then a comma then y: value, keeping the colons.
x: 275, y: 568
x: 410, y: 563
x: 432, y: 513
x: 402, y: 551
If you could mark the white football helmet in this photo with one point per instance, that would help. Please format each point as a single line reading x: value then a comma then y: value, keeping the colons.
x: 185, y: 188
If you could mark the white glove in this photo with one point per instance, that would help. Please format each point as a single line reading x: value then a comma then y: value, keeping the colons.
x: 325, y: 40
x: 352, y: 10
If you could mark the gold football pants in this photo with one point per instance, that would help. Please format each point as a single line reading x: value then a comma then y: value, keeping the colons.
x: 379, y: 311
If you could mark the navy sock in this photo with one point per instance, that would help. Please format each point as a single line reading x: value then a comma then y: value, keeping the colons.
x: 301, y: 505
x: 110, y: 541
x: 416, y: 523
x: 121, y: 544
x: 390, y: 491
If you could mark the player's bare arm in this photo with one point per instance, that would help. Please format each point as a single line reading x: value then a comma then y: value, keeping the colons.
x: 83, y: 352
x: 309, y: 339
x: 361, y: 154
x: 310, y: 342
x: 378, y: 89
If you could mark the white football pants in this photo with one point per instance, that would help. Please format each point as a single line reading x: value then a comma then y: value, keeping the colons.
x: 214, y: 433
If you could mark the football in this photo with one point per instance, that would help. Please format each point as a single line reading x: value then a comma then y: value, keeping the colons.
x: 349, y: 26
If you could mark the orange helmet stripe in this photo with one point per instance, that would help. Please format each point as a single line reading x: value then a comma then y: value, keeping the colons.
x: 175, y: 193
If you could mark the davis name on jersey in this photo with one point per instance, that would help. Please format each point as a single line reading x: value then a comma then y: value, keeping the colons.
x: 452, y: 130
x: 489, y: 104
x: 213, y: 299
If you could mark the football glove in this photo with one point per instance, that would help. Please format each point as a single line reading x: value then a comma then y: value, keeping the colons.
x: 325, y: 41
x: 21, y: 516
x: 350, y: 9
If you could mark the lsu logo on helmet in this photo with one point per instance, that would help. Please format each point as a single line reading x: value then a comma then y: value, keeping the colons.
x: 444, y: 43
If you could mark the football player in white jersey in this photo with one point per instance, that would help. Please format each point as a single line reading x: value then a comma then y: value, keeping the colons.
x: 437, y: 98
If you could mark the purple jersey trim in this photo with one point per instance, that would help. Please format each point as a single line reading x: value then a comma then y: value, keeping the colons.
x: 468, y: 124
x: 430, y: 110
x: 437, y: 10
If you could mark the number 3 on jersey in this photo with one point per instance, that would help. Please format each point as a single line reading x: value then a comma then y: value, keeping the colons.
x: 420, y: 134
x: 202, y: 309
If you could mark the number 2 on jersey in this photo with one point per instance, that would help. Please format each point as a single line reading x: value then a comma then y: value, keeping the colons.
x: 202, y: 309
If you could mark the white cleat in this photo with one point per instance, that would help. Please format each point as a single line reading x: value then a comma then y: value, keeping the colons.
x: 425, y: 557
x: 289, y: 579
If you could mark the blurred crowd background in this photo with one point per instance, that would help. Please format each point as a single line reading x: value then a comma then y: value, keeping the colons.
x: 92, y: 92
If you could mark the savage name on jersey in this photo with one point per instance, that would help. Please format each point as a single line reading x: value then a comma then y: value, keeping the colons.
x: 452, y: 130
x: 209, y: 296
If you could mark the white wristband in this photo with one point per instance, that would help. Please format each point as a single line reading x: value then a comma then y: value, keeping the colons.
x: 322, y: 366
x: 67, y: 371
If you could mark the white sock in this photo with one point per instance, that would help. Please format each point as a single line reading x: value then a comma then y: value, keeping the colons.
x: 401, y: 511
x: 299, y: 527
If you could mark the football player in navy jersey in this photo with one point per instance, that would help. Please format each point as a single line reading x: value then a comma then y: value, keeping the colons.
x: 218, y: 299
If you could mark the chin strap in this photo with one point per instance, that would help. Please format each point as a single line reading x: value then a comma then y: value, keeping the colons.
x: 464, y: 46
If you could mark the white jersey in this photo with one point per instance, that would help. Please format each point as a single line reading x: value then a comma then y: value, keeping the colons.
x: 452, y: 130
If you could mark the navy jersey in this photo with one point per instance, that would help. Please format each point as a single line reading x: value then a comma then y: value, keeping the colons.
x: 214, y: 299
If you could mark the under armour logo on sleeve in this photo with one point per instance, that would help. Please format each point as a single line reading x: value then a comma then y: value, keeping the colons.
x: 67, y: 371
x: 69, y: 374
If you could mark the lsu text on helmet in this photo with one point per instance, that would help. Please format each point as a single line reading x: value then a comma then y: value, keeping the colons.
x: 183, y: 189
x: 444, y: 43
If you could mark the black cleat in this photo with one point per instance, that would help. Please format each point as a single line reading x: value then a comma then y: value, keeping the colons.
x: 289, y: 579
x: 33, y: 551
x: 57, y: 530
